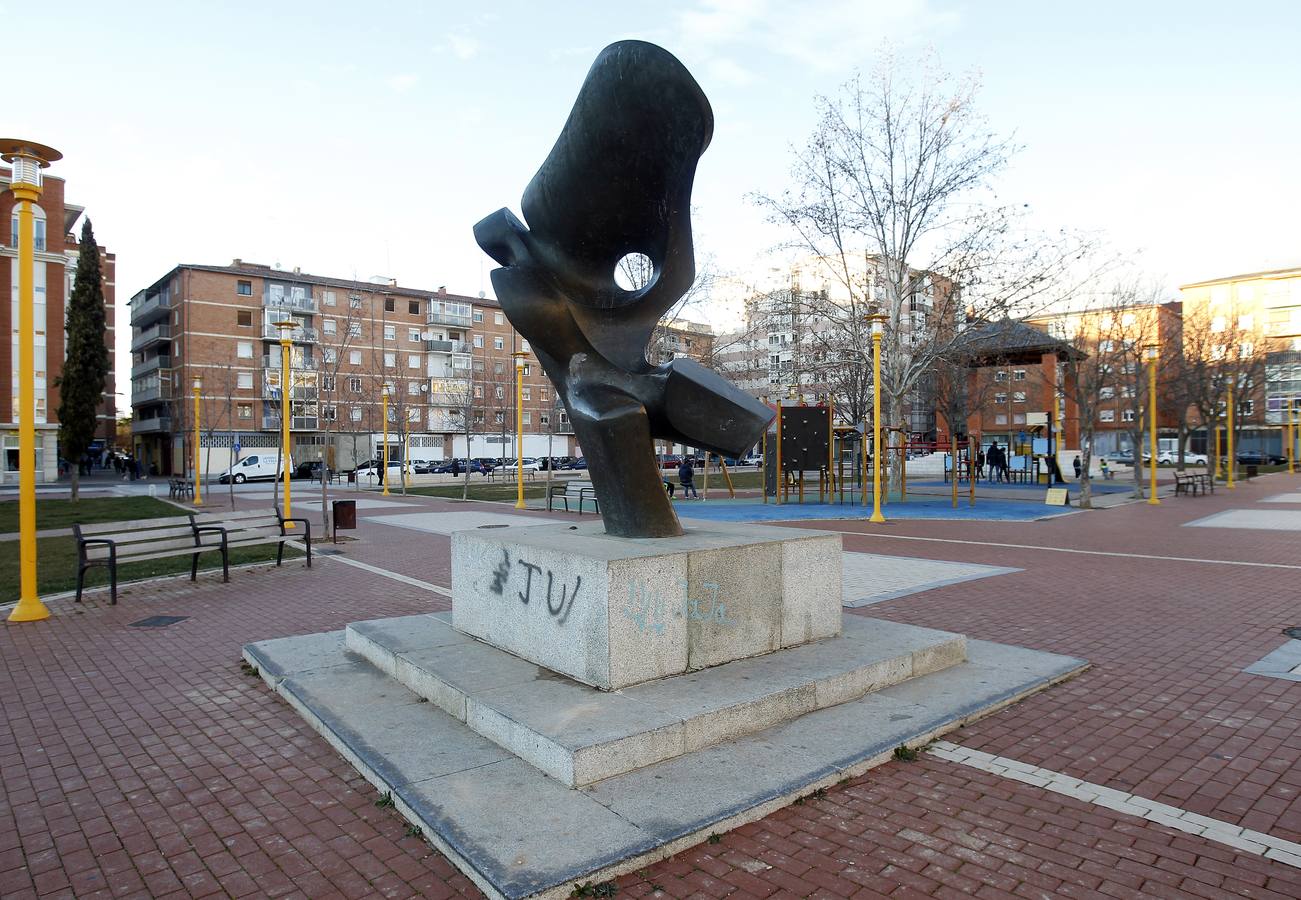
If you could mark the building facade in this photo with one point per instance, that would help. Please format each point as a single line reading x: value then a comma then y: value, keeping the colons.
x: 446, y: 359
x: 54, y: 273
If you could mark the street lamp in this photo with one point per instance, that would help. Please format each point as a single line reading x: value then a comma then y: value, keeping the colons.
x: 1152, y: 351
x: 384, y: 455
x: 876, y: 321
x: 198, y: 482
x: 286, y: 328
x: 519, y: 356
x: 1230, y: 463
x: 26, y: 160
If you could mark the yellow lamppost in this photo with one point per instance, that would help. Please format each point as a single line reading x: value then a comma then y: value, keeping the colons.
x: 876, y: 321
x: 1291, y: 443
x: 198, y: 481
x: 519, y: 356
x: 286, y: 406
x: 1153, y: 352
x: 1231, y: 463
x: 26, y: 159
x: 384, y: 455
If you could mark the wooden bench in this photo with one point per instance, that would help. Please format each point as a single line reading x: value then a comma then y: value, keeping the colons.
x: 578, y: 491
x: 110, y: 543
x: 509, y: 473
x: 180, y: 489
x: 1194, y: 483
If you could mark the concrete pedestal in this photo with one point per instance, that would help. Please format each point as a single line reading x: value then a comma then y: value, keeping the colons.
x: 612, y: 612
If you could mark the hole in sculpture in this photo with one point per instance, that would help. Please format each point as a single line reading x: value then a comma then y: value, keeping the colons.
x: 634, y: 272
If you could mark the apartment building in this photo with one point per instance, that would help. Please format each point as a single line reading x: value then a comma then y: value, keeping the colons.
x: 445, y: 357
x: 55, y: 271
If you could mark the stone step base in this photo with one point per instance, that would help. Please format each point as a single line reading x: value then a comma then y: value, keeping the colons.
x: 580, y: 735
x: 518, y: 833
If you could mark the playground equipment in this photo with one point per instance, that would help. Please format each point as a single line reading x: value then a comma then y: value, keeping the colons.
x: 801, y: 442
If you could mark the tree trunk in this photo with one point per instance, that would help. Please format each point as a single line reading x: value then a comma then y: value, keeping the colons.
x: 75, y: 471
x: 1086, y: 482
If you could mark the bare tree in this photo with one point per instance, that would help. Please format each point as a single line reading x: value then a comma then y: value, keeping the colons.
x: 893, y: 199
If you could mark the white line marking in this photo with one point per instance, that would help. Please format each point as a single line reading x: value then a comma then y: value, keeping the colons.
x: 405, y: 579
x: 1257, y: 842
x: 1188, y: 559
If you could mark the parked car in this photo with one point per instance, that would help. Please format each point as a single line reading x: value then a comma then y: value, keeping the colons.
x: 1171, y: 458
x: 370, y: 471
x: 752, y: 460
x: 310, y: 470
x: 669, y: 460
x: 257, y: 467
x: 1121, y: 458
x: 580, y: 464
x: 1260, y: 458
x: 422, y: 466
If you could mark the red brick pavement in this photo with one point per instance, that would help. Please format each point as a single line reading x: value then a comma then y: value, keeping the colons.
x: 143, y: 762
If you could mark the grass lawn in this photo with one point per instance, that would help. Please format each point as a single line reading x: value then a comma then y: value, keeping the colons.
x: 63, y: 513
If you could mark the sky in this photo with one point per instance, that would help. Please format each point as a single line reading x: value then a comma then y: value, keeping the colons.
x: 365, y: 140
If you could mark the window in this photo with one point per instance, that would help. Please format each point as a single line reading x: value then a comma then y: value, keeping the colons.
x: 390, y: 360
x: 542, y: 393
x: 392, y: 414
x: 1106, y: 415
x: 498, y: 367
x: 413, y: 307
x: 413, y: 360
x: 329, y: 413
x: 1246, y: 407
x: 1127, y: 415
x: 327, y: 297
x: 497, y: 319
x: 527, y: 392
x: 498, y: 343
x: 330, y: 326
x: 1246, y: 322
x: 388, y: 304
x: 478, y: 315
x: 244, y: 381
x: 354, y: 385
x: 478, y: 390
x: 528, y: 417
x: 1217, y: 324
x: 413, y: 414
x: 354, y: 302
x: 244, y: 288
x: 245, y: 410
x: 1000, y: 398
x: 497, y: 392
x: 1000, y: 419
x: 528, y: 369
x: 354, y: 357
x: 413, y: 335
x: 478, y: 340
x: 390, y: 332
x: 499, y: 418
x: 244, y: 318
x: 544, y: 419
x: 327, y: 383
x: 1106, y: 393
x: 478, y: 365
x: 297, y: 292
x: 1018, y: 418
x: 524, y: 345
x: 243, y: 350
x: 1018, y: 396
x: 998, y: 376
x: 355, y: 414
x: 276, y: 291
x: 354, y: 329
x: 1018, y: 374
x: 413, y: 388
x: 1106, y: 346
x: 1245, y: 349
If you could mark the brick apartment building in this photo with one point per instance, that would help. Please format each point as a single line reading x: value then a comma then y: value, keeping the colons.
x: 55, y: 271
x: 446, y: 357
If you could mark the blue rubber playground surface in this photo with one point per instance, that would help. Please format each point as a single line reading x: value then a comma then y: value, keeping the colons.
x: 914, y: 508
x: 1116, y: 486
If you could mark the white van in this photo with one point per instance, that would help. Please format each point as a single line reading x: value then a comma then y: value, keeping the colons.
x: 254, y: 467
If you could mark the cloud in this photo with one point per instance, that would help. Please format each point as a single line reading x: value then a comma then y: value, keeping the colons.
x: 462, y: 46
x: 403, y: 83
x: 822, y: 34
x: 723, y: 69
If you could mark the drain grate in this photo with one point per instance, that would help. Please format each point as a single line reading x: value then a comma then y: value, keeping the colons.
x: 157, y: 621
x: 1294, y: 632
x: 494, y: 526
x: 326, y: 551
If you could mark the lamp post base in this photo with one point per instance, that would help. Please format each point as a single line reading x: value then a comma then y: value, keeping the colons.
x: 32, y: 610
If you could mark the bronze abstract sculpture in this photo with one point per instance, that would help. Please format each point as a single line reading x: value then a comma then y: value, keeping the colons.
x: 618, y: 182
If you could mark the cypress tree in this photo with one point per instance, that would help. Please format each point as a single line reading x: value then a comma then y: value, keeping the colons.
x: 81, y: 388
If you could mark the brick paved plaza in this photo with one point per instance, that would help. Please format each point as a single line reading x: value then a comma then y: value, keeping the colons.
x: 146, y: 762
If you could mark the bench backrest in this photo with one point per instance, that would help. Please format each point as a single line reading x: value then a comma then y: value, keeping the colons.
x: 578, y: 488
x: 137, y: 537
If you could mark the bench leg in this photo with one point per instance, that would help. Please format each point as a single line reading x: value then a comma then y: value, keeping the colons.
x: 194, y: 566
x: 225, y: 561
x: 81, y: 581
x: 112, y: 583
x: 280, y: 552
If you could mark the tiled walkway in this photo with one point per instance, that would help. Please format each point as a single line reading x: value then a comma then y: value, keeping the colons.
x: 145, y: 763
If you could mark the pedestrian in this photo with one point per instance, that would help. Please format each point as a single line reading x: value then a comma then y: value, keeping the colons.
x: 980, y: 464
x: 993, y: 458
x: 1105, y: 469
x: 456, y: 467
x: 1078, y: 468
x: 668, y: 486
x: 686, y: 475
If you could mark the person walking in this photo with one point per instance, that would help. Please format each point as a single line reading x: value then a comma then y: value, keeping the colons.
x: 1078, y: 468
x: 687, y: 475
x: 980, y: 464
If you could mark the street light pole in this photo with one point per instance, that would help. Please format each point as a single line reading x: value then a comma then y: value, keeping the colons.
x: 877, y: 323
x: 1153, y: 352
x: 1231, y: 462
x: 286, y: 407
x: 198, y: 481
x: 384, y: 454
x: 519, y: 428
x: 26, y: 159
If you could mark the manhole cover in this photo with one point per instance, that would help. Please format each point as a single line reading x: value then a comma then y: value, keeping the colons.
x: 157, y: 621
x: 323, y: 551
x: 1294, y: 632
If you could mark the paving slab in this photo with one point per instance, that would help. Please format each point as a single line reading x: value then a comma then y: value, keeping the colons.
x: 276, y: 658
x: 874, y: 578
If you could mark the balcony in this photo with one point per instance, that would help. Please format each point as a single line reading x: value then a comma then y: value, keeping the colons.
x: 147, y: 426
x: 292, y: 304
x: 458, y: 315
x: 296, y: 423
x: 147, y: 308
x: 151, y: 365
x: 447, y: 346
x: 151, y: 335
x: 300, y: 335
x: 306, y: 363
x: 156, y: 390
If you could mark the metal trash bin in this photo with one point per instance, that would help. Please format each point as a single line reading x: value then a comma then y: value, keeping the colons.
x: 1253, y: 471
x: 343, y: 514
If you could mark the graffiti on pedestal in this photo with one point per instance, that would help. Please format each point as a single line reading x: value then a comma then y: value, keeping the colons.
x: 559, y: 597
x: 649, y: 609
